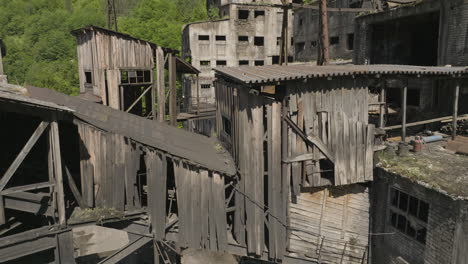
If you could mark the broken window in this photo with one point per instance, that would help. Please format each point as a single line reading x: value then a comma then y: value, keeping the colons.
x: 221, y: 63
x: 258, y: 13
x: 413, y: 97
x: 259, y: 41
x: 205, y: 64
x: 409, y: 214
x: 135, y: 76
x: 243, y: 14
x: 203, y: 37
x: 259, y: 63
x: 243, y: 39
x: 88, y: 78
x: 278, y: 41
x: 220, y: 38
x: 205, y: 86
x: 300, y: 46
x: 334, y: 40
x: 350, y: 41
x: 243, y: 62
x: 313, y: 43
x: 275, y: 59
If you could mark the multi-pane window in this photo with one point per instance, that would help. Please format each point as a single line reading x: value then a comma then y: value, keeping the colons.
x: 205, y: 86
x: 409, y: 215
x: 135, y: 76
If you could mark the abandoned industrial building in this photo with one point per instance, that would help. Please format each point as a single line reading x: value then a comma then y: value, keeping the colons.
x: 340, y: 27
x: 280, y: 160
x: 249, y: 33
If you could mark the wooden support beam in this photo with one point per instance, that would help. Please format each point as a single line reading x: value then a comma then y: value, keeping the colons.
x: 160, y: 61
x: 139, y: 98
x: 29, y: 187
x: 154, y: 90
x: 64, y: 249
x: 383, y: 101
x: 311, y: 140
x: 299, y: 158
x: 74, y: 189
x: 173, y: 90
x: 2, y: 211
x: 444, y: 119
x: 456, y: 94
x: 26, y: 149
x: 403, y: 110
x: 58, y: 171
x: 123, y: 253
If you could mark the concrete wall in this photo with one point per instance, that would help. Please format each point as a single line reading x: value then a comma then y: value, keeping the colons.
x: 306, y: 34
x: 232, y: 51
x: 391, y: 244
x: 452, y: 32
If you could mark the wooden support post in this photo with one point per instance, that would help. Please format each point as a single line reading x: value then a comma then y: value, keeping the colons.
x: 284, y: 35
x: 455, y: 109
x: 156, y: 252
x: 154, y: 91
x: 198, y: 95
x: 403, y: 112
x: 383, y: 101
x: 173, y: 90
x: 58, y: 171
x: 2, y: 211
x: 161, y: 84
x: 19, y: 159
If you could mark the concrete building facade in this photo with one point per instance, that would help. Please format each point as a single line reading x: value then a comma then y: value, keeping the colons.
x: 249, y: 34
x: 340, y: 26
x: 429, y: 32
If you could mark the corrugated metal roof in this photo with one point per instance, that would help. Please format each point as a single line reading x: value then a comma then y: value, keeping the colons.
x: 276, y: 73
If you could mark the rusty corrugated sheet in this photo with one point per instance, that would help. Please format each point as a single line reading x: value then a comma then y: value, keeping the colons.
x: 276, y: 73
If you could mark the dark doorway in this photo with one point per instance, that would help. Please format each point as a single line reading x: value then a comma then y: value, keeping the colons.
x: 410, y: 41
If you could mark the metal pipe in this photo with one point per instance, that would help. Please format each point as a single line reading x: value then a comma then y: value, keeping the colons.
x: 403, y: 107
x: 455, y: 110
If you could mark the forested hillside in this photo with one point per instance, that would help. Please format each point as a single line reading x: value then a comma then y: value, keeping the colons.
x: 42, y: 52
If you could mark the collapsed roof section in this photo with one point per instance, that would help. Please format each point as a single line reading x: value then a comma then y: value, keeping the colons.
x: 197, y: 149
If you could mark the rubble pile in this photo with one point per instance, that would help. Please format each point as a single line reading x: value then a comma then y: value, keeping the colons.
x: 462, y: 128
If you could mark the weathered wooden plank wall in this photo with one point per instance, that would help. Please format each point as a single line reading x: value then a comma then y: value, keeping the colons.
x: 331, y: 224
x: 105, y: 55
x: 201, y: 208
x: 336, y: 111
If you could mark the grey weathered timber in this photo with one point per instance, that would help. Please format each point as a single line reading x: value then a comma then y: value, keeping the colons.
x: 311, y: 140
x: 150, y: 88
x: 64, y: 249
x: 2, y: 211
x: 383, y: 100
x: 26, y: 149
x: 74, y: 188
x: 404, y: 93
x: 456, y: 93
x: 172, y: 90
x: 126, y: 251
x: 161, y: 86
x: 35, y: 203
x: 58, y: 171
x: 29, y: 187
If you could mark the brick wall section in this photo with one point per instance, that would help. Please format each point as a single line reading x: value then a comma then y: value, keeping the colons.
x: 443, y: 215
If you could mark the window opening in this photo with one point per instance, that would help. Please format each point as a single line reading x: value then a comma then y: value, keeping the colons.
x: 227, y: 125
x: 243, y: 14
x: 205, y: 86
x: 409, y: 215
x: 220, y: 38
x: 350, y: 41
x: 243, y: 62
x: 258, y: 13
x: 221, y: 63
x: 334, y: 40
x: 259, y: 63
x: 243, y: 38
x: 259, y: 41
x: 203, y: 37
x: 135, y: 76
